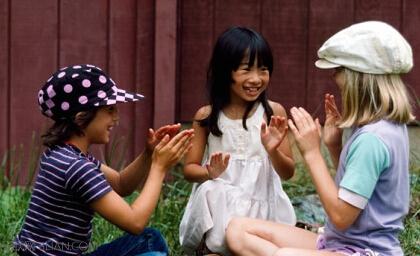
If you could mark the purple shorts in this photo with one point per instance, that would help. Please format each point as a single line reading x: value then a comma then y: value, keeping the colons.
x: 345, y: 250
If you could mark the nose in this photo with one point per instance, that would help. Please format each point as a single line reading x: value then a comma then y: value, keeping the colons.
x: 254, y: 77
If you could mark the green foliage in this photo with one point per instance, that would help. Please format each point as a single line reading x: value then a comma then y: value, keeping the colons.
x: 13, y: 205
x: 13, y: 160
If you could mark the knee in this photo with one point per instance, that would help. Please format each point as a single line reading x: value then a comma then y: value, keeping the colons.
x: 154, y: 239
x: 235, y: 233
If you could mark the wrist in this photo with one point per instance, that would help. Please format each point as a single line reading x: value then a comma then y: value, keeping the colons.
x: 312, y: 156
x: 158, y: 167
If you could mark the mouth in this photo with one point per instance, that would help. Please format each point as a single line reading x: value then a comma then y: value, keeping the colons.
x: 252, y: 91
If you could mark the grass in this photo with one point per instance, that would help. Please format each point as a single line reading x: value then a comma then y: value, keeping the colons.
x: 167, y: 215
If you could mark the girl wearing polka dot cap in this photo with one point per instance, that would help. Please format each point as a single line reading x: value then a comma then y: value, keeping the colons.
x: 72, y: 185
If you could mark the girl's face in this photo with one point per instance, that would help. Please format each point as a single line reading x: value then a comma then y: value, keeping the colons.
x: 339, y: 77
x: 249, y: 81
x: 99, y: 129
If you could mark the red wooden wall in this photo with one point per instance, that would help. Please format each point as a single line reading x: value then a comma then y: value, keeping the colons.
x: 161, y: 48
x: 295, y: 30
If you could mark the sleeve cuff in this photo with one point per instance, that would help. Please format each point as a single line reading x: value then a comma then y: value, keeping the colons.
x: 352, y: 198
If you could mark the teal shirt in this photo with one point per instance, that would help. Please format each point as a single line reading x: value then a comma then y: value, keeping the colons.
x: 367, y: 158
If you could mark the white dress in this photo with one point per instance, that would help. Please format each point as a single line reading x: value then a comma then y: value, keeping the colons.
x: 249, y: 187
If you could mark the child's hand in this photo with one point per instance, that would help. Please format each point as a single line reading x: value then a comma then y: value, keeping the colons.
x: 306, y: 131
x: 273, y: 135
x: 332, y: 134
x: 154, y: 137
x: 169, y: 151
x: 218, y: 164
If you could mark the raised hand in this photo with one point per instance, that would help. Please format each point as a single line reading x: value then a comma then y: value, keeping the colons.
x: 154, y: 137
x: 218, y: 164
x: 306, y: 131
x: 169, y: 151
x: 332, y: 133
x: 273, y: 135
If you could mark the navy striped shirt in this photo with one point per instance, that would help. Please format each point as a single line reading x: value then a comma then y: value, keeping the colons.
x: 59, y: 219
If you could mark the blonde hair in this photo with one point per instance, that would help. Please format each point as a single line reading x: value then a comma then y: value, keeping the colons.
x: 370, y: 97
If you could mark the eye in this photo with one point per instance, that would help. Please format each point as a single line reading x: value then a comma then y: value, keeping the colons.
x: 111, y: 108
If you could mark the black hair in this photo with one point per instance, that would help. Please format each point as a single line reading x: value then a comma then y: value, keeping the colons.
x: 63, y: 129
x: 230, y: 49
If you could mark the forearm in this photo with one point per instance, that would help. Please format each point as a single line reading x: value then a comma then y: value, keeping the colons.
x: 135, y: 174
x: 283, y: 164
x: 335, y: 152
x: 326, y: 187
x: 196, y: 173
x: 146, y: 202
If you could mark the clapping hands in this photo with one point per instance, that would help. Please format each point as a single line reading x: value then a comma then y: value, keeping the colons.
x: 154, y: 137
x: 273, y: 134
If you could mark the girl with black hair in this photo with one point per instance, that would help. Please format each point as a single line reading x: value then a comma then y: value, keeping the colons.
x: 240, y: 173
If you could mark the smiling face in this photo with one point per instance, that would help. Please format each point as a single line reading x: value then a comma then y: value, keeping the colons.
x: 99, y: 129
x: 249, y: 81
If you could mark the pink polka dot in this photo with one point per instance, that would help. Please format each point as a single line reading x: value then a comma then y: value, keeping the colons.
x: 101, y: 94
x: 83, y: 99
x: 68, y: 88
x: 61, y: 74
x: 65, y: 106
x: 74, y: 75
x: 77, y: 67
x: 102, y: 79
x: 86, y: 83
x: 40, y: 93
x: 50, y: 91
x: 90, y: 65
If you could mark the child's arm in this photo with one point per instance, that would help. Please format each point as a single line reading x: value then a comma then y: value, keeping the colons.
x: 307, y: 135
x: 134, y: 218
x: 275, y: 141
x: 193, y: 170
x: 134, y: 175
x: 332, y: 134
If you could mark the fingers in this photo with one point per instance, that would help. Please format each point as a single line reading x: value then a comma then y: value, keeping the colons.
x: 293, y: 128
x: 181, y: 137
x: 299, y: 118
x: 330, y: 106
x: 163, y: 142
x: 171, y: 130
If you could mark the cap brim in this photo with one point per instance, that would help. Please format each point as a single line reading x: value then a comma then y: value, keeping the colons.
x: 325, y: 64
x: 119, y: 96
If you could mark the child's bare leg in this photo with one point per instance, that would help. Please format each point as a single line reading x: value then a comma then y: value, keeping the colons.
x: 247, y: 236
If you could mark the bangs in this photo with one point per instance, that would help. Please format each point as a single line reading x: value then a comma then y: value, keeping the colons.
x: 259, y: 51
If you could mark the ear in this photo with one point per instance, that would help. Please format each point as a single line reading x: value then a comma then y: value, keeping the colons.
x: 78, y: 118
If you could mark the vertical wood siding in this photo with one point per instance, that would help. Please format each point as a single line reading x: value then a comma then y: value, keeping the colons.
x: 295, y: 30
x: 162, y: 48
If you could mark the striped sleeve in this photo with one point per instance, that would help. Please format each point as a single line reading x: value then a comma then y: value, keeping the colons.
x: 86, y: 181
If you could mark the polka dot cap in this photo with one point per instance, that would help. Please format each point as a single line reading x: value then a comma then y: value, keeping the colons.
x: 78, y: 88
